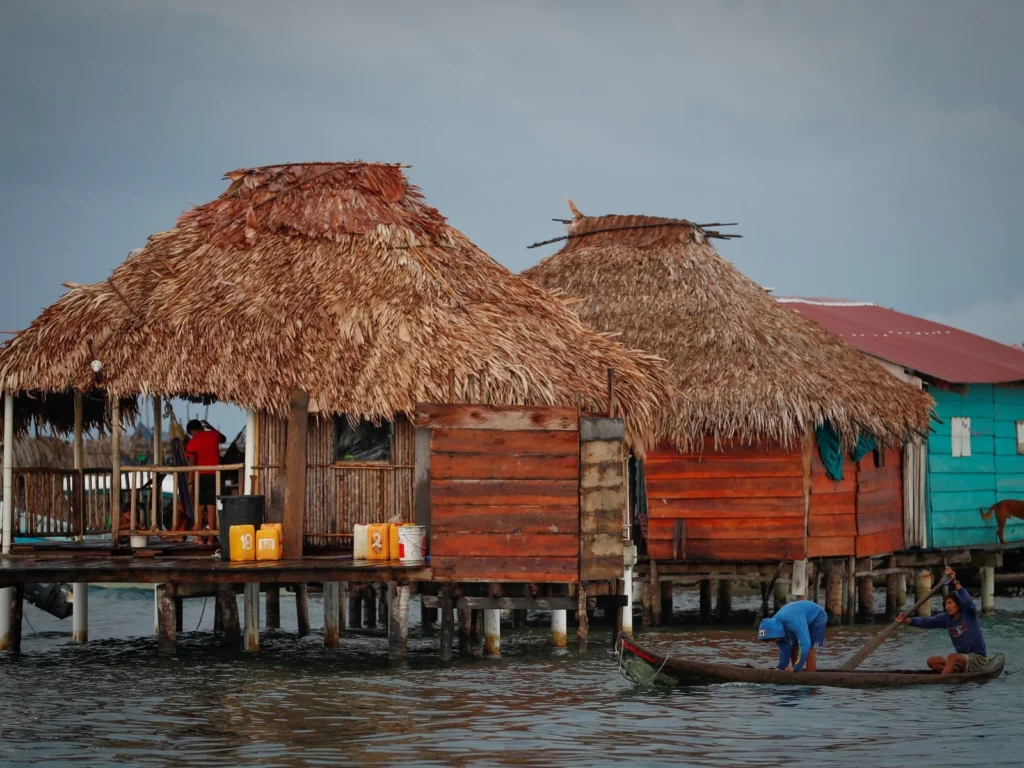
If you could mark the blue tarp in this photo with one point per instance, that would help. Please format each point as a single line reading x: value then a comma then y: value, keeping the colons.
x: 830, y: 450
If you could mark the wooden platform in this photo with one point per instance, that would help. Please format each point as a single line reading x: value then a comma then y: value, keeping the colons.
x: 86, y: 567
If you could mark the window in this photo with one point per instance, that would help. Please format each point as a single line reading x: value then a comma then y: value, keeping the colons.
x: 879, y: 455
x: 1020, y: 437
x: 364, y: 442
x: 961, y: 436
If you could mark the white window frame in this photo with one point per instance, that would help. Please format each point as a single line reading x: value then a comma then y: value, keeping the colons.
x: 1020, y: 437
x: 960, y: 436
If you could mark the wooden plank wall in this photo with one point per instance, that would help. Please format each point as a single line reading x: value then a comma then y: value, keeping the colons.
x: 337, y: 497
x: 880, y: 503
x: 832, y: 521
x: 503, y: 486
x: 960, y: 487
x: 745, y: 503
x: 602, y: 498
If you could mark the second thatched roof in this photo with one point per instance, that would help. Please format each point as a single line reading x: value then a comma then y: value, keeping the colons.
x: 336, y: 278
x: 746, y: 368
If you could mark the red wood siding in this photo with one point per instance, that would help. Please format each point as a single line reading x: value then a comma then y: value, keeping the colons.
x: 504, y: 492
x: 880, y: 504
x: 740, y: 504
x: 832, y: 519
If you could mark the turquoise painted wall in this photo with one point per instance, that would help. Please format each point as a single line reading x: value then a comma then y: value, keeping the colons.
x: 959, y: 487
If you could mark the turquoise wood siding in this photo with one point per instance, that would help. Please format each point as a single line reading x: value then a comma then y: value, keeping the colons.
x: 959, y: 487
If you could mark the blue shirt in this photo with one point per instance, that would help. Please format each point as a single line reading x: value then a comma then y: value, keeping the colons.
x: 965, y: 632
x: 791, y: 627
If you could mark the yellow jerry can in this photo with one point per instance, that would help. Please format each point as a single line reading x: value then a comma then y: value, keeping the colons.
x: 268, y: 544
x: 277, y: 527
x: 378, y: 540
x: 242, y: 543
x: 393, y: 542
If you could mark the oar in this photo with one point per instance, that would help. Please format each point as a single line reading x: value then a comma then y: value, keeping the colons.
x: 771, y: 587
x: 858, y: 658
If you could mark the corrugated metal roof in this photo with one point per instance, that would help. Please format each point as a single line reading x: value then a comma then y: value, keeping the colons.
x: 923, y: 346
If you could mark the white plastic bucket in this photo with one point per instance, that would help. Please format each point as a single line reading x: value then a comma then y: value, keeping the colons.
x: 412, y: 543
x: 360, y: 548
x: 139, y: 542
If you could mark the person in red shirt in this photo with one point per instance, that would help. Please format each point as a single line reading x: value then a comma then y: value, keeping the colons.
x: 203, y: 450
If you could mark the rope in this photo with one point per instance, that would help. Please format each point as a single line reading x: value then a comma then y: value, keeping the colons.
x: 202, y: 613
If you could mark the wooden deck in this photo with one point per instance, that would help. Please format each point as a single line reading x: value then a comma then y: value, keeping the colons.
x: 65, y: 567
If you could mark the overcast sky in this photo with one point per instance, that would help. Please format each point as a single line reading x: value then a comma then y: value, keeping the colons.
x: 868, y: 150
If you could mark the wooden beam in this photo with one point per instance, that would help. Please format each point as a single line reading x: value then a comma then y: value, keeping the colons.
x: 115, y: 478
x: 295, y: 474
x: 447, y: 621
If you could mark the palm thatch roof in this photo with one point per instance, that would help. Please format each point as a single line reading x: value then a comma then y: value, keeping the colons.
x: 336, y: 278
x: 746, y: 368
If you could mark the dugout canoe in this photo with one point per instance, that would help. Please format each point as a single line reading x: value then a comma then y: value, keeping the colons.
x: 645, y: 667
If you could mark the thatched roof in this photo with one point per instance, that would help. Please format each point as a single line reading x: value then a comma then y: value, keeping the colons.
x: 746, y: 368
x: 336, y: 278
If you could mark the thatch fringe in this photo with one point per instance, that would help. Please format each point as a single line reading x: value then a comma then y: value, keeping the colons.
x: 746, y: 368
x: 337, y: 279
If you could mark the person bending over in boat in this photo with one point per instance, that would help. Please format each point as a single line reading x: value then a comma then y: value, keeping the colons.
x: 798, y: 628
x: 960, y: 618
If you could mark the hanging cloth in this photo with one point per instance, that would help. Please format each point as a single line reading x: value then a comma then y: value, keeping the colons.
x: 831, y: 451
x: 639, y: 493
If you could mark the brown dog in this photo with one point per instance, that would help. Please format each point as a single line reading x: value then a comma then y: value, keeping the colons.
x: 1004, y: 510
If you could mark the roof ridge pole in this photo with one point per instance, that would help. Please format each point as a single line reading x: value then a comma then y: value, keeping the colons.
x: 7, y: 594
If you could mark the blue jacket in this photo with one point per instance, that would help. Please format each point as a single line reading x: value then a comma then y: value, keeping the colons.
x: 791, y: 626
x: 965, y: 632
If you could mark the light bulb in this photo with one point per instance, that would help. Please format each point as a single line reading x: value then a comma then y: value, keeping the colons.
x: 97, y: 366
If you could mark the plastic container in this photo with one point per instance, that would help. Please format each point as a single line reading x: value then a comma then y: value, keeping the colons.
x: 268, y: 543
x: 139, y: 542
x: 393, y: 541
x: 237, y: 510
x: 360, y: 542
x: 412, y: 543
x: 276, y: 527
x: 378, y: 538
x: 242, y: 540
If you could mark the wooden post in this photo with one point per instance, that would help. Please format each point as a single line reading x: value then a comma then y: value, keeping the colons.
x: 626, y: 612
x: 79, y: 612
x: 166, y: 607
x: 834, y: 591
x: 647, y: 603
x: 922, y: 586
x: 476, y: 633
x: 251, y: 641
x: 798, y: 580
x: 228, y: 605
x: 7, y: 594
x: 179, y: 614
x: 465, y: 630
x: 158, y: 432
x: 666, y: 602
x: 383, y: 607
x: 892, y: 589
x: 249, y: 471
x: 342, y: 600
x: 845, y: 594
x: 988, y: 589
x: 583, y: 624
x: 655, y: 594
x: 817, y: 582
x: 901, y: 588
x: 332, y: 608
x: 559, y: 629
x: 492, y: 632
x: 398, y: 632
x: 851, y: 589
x: 447, y: 621
x: 427, y: 616
x: 80, y: 589
x: 370, y: 598
x: 273, y: 607
x: 724, y: 599
x: 518, y: 618
x: 295, y: 475
x: 705, y: 599
x: 115, y: 477
x: 779, y: 595
x: 302, y: 609
x: 355, y: 606
x: 866, y: 597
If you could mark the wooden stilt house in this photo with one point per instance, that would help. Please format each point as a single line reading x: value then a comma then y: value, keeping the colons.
x: 738, y: 474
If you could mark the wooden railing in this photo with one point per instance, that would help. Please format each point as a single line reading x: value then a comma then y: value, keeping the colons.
x: 146, y: 508
x: 47, y: 502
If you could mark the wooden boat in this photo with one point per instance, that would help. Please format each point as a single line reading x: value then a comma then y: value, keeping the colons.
x: 646, y: 667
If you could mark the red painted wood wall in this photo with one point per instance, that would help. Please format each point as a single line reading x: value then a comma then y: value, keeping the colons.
x: 880, y: 504
x: 740, y: 504
x: 832, y: 519
x: 503, y: 492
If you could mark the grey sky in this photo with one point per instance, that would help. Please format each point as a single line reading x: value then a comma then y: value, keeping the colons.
x: 869, y: 150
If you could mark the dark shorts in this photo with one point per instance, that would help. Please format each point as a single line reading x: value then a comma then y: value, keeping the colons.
x: 817, y: 630
x: 207, y: 490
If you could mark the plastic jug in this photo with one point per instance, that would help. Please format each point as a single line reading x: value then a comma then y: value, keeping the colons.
x: 360, y: 542
x: 378, y: 540
x: 268, y: 544
x: 242, y: 543
x: 393, y: 541
x: 277, y: 527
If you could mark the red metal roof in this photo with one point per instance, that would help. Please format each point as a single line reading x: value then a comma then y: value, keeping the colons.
x: 932, y: 349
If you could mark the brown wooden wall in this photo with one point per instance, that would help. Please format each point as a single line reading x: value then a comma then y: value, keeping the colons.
x: 500, y: 488
x: 832, y: 521
x: 338, y: 495
x: 880, y: 504
x: 740, y: 504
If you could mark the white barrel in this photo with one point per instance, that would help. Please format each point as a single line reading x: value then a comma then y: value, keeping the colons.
x: 360, y: 544
x: 412, y: 543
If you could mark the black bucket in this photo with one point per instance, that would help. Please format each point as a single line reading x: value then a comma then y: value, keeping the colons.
x: 238, y: 510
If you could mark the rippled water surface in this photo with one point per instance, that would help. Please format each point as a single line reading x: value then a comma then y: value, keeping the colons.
x: 117, y: 701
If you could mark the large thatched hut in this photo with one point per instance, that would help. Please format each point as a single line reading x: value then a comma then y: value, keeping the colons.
x: 737, y: 474
x: 338, y: 280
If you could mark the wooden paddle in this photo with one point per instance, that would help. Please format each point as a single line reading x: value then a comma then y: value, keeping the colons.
x: 858, y: 658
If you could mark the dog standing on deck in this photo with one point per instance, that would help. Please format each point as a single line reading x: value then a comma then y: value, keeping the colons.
x: 1004, y: 510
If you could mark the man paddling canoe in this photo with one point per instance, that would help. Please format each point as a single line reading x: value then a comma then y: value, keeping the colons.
x: 960, y: 618
x: 798, y: 628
